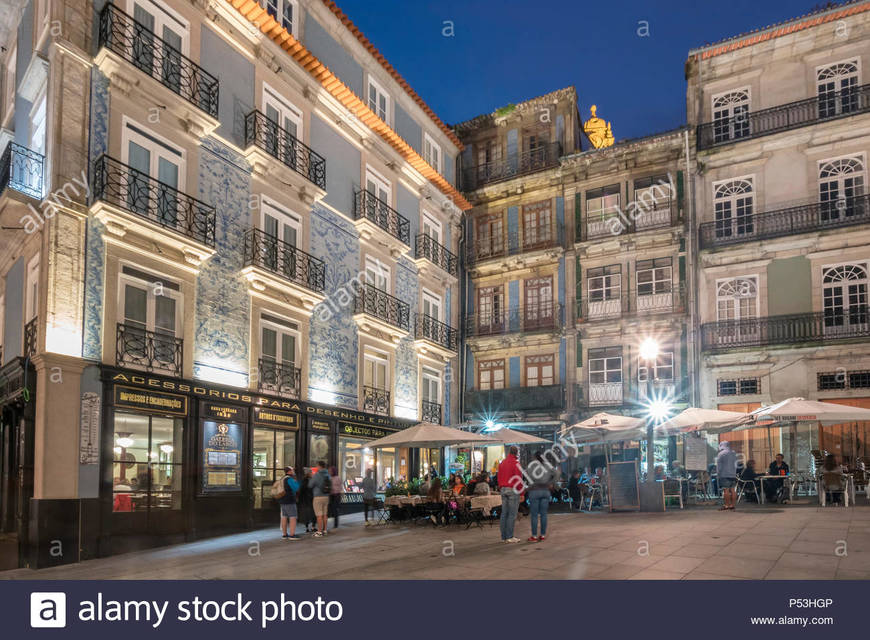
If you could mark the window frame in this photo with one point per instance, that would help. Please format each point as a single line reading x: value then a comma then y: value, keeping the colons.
x: 604, y: 355
x: 379, y: 92
x: 378, y: 358
x: 280, y: 7
x: 491, y: 365
x: 429, y: 145
x: 173, y: 292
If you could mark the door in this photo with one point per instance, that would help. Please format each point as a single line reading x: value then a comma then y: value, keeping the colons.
x: 538, y: 310
x: 159, y: 43
x: 737, y: 311
x: 283, y: 128
x: 841, y: 189
x: 536, y: 225
x: 490, y: 237
x: 845, y: 299
x: 280, y: 231
x: 151, y: 324
x: 278, y: 356
x: 539, y: 371
x: 155, y: 179
x: 490, y: 317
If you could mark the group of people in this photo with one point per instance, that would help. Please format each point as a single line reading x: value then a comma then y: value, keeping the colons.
x: 537, y: 484
x: 311, y: 500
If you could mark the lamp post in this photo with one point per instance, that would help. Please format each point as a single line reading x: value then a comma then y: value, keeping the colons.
x: 649, y: 351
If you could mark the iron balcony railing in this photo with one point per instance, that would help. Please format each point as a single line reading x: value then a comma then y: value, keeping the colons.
x: 493, y: 401
x: 436, y: 253
x: 431, y: 412
x: 376, y: 400
x: 367, y: 205
x: 281, y: 378
x: 383, y: 306
x: 127, y: 188
x: 661, y: 298
x: 284, y: 260
x: 141, y: 47
x: 599, y: 394
x: 527, y: 319
x: 802, y: 218
x: 31, y: 332
x: 754, y: 124
x: 435, y: 331
x: 514, y: 243
x: 793, y: 329
x: 513, y: 165
x: 282, y: 145
x: 618, y: 394
x: 148, y: 350
x: 21, y: 169
x: 660, y: 215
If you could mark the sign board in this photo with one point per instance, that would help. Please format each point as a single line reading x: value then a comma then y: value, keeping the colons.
x: 622, y: 485
x: 274, y: 418
x: 362, y: 430
x: 89, y: 425
x: 695, y: 447
x: 151, y: 401
x: 222, y: 442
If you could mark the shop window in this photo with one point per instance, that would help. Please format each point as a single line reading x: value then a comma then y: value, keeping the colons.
x: 146, y: 462
x: 318, y: 448
x: 355, y: 459
x: 273, y: 450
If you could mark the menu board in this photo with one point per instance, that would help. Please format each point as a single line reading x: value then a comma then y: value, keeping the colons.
x: 622, y: 485
x: 696, y: 452
x: 222, y: 448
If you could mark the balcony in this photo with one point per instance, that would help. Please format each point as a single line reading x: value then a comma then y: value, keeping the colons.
x: 21, y: 169
x: 600, y: 394
x: 278, y: 269
x: 513, y: 244
x: 549, y: 399
x: 540, y: 318
x: 150, y: 351
x: 755, y: 124
x: 374, y: 218
x: 430, y: 412
x: 279, y: 378
x: 802, y: 329
x: 514, y: 165
x: 132, y: 203
x: 643, y: 301
x: 433, y: 336
x: 616, y: 223
x: 428, y: 250
x: 376, y: 400
x: 378, y: 313
x: 168, y: 74
x: 276, y: 153
x: 31, y: 337
x: 804, y: 218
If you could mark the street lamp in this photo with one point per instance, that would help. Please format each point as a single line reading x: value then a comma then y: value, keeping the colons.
x: 649, y: 351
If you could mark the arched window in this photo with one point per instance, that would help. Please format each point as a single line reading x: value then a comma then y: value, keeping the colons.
x: 838, y: 88
x: 731, y: 115
x: 841, y: 185
x: 845, y: 297
x: 732, y: 207
x: 737, y: 299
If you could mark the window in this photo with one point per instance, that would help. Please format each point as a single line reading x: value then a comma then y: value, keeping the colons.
x: 654, y: 276
x: 537, y: 224
x: 431, y: 305
x: 431, y: 391
x: 377, y: 274
x: 284, y: 12
x: 281, y: 229
x: 31, y: 301
x: 604, y: 283
x: 378, y: 186
x: 662, y: 368
x: 431, y: 152
x: 603, y: 203
x: 490, y: 236
x: 37, y: 123
x: 150, y: 308
x: 160, y: 21
x: 731, y: 115
x: 538, y: 310
x: 737, y: 299
x: 279, y: 342
x: 283, y: 127
x: 490, y: 304
x: 375, y: 365
x: 490, y: 374
x: 539, y: 371
x: 273, y: 449
x: 837, y: 86
x: 379, y: 100
x: 152, y: 159
x: 488, y: 153
x: 605, y: 365
x: 9, y: 81
x: 732, y: 206
x: 431, y: 227
x: 147, y: 469
x: 845, y: 297
x: 841, y: 185
x: 653, y: 192
x: 742, y: 386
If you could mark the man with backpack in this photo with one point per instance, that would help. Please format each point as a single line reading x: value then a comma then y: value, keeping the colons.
x: 285, y: 493
x: 321, y: 485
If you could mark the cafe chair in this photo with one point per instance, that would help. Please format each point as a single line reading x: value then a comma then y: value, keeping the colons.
x: 833, y: 484
x: 379, y: 511
x: 673, y: 489
x: 748, y: 487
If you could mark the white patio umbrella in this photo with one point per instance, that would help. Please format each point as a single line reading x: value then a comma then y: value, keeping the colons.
x: 799, y: 410
x: 608, y: 427
x: 509, y: 436
x: 696, y: 419
x: 426, y: 434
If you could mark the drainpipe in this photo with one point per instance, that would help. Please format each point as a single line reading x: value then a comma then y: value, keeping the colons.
x: 462, y: 313
x: 694, y: 267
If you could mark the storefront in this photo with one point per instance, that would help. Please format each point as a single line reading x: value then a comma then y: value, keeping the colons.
x: 183, y: 459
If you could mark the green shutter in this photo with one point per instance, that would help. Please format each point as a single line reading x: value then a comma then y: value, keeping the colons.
x: 680, y: 190
x: 579, y: 351
x: 578, y: 235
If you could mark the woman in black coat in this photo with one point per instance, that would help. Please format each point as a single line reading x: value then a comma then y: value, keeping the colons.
x: 305, y: 501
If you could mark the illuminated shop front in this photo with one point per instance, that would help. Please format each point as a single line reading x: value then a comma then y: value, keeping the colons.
x: 356, y: 458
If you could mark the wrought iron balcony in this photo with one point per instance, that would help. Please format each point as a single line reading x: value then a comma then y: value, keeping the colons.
x: 428, y: 328
x: 141, y: 47
x: 777, y: 223
x: 511, y: 244
x: 754, y: 124
x: 513, y: 165
x: 380, y: 304
x: 31, y: 333
x: 284, y: 147
x: 643, y: 300
x: 376, y: 400
x: 436, y: 253
x: 369, y: 207
x: 794, y: 329
x: 528, y: 319
x: 21, y: 169
x: 280, y: 378
x: 284, y: 260
x: 660, y: 215
x: 493, y: 401
x: 149, y: 350
x: 431, y: 412
x: 122, y: 186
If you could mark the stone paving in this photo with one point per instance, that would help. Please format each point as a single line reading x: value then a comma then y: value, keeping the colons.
x: 791, y: 542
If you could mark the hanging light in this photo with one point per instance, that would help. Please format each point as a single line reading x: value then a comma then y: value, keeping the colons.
x: 166, y: 448
x: 125, y: 441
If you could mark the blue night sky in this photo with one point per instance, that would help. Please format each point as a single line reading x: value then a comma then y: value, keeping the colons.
x: 507, y: 51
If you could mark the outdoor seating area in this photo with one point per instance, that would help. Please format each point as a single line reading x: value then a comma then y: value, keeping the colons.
x: 460, y: 510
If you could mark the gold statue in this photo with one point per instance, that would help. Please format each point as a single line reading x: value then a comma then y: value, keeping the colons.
x: 598, y: 130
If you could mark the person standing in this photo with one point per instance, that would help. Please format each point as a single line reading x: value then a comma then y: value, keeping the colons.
x: 334, y: 494
x: 370, y: 488
x: 288, y: 504
x: 510, y: 485
x: 574, y: 491
x: 321, y: 488
x: 542, y: 478
x: 304, y: 501
x: 726, y: 471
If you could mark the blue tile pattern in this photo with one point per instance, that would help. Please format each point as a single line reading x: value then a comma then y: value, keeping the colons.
x: 405, y: 402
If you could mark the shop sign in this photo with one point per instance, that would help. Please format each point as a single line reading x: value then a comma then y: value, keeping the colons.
x: 152, y: 401
x: 89, y: 424
x: 225, y: 412
x: 362, y: 430
x: 273, y: 418
x: 221, y: 456
x: 320, y: 425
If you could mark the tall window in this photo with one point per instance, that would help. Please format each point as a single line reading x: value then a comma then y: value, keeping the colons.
x: 490, y: 235
x: 158, y: 172
x: 281, y: 228
x: 540, y: 371
x: 603, y: 203
x: 431, y: 305
x: 538, y: 309
x: 731, y: 115
x: 662, y: 369
x: 737, y: 299
x: 841, y: 185
x: 838, y: 88
x: 377, y: 274
x: 654, y: 276
x: 379, y: 100
x: 164, y: 23
x: 490, y: 306
x: 37, y: 123
x: 151, y: 312
x: 431, y: 152
x: 490, y: 374
x: 845, y: 297
x: 279, y: 349
x: 284, y: 12
x: 378, y: 186
x: 31, y: 300
x: 732, y: 208
x: 9, y: 81
x: 375, y: 365
x: 431, y: 396
x: 537, y: 224
x: 604, y: 283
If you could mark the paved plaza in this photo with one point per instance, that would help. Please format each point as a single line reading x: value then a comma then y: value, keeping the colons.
x: 797, y: 542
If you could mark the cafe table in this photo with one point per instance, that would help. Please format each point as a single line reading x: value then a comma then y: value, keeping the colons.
x: 767, y: 476
x: 486, y: 502
x: 401, y: 501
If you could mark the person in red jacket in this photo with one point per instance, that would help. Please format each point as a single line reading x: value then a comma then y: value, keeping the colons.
x: 510, y: 485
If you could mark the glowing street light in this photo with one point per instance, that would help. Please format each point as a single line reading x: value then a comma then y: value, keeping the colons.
x: 656, y: 409
x: 649, y: 349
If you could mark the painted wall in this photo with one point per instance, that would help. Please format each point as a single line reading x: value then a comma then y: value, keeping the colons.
x: 333, y: 55
x: 22, y: 59
x: 789, y: 286
x: 342, y: 165
x: 236, y: 77
x: 13, y: 333
x: 409, y: 129
x: 409, y: 206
